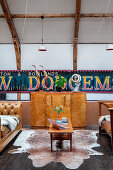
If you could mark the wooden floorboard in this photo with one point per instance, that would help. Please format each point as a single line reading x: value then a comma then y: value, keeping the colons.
x: 21, y: 161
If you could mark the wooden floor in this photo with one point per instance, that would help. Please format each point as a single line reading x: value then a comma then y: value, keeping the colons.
x: 21, y: 161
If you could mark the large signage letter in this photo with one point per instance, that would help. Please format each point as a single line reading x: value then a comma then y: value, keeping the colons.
x: 4, y: 83
x: 105, y: 85
x: 44, y: 83
x: 87, y: 82
x: 31, y: 82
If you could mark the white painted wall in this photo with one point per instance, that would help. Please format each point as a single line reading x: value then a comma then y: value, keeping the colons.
x: 99, y: 96
x: 11, y: 96
x: 94, y: 57
x: 8, y: 62
x: 59, y: 57
x: 25, y: 96
x: 7, y: 57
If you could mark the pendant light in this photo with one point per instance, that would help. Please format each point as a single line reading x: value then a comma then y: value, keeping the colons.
x: 42, y: 47
x: 109, y: 46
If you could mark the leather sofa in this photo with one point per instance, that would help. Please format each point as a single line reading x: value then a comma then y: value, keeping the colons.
x: 14, y: 109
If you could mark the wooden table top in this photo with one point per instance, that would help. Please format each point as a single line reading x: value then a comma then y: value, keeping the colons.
x: 54, y: 130
x: 108, y: 104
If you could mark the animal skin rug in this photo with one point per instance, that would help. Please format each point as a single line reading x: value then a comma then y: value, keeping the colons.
x: 37, y: 144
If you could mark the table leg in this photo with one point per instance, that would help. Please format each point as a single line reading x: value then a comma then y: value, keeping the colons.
x: 51, y: 141
x: 70, y: 142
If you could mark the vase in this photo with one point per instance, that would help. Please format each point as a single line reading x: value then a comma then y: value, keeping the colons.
x: 58, y: 89
x: 45, y: 89
x: 57, y: 116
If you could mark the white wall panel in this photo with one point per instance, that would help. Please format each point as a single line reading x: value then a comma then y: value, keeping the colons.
x: 7, y: 57
x: 94, y: 57
x: 11, y: 96
x: 57, y: 56
x: 99, y: 96
x: 25, y: 96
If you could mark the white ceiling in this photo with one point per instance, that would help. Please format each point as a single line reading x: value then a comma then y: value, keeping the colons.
x: 55, y: 30
x: 58, y: 30
x: 5, y: 35
x: 95, y: 30
x: 96, y: 6
x: 42, y: 6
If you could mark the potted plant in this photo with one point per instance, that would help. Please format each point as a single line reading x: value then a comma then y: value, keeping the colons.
x: 60, y: 83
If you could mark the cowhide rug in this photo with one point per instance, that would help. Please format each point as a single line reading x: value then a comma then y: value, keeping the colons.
x: 37, y: 144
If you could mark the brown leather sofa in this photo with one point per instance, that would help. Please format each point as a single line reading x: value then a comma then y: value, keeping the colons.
x: 106, y: 126
x: 14, y: 109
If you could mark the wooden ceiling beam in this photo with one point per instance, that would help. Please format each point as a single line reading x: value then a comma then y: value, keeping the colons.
x: 95, y: 15
x: 39, y: 16
x: 58, y: 15
x: 12, y: 29
x: 17, y: 53
x: 75, y: 41
x: 45, y: 15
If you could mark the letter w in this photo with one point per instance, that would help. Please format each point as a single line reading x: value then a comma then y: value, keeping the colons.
x: 4, y: 83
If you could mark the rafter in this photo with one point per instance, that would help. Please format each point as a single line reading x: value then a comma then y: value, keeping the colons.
x: 39, y: 15
x: 45, y: 15
x: 12, y: 29
x: 96, y: 15
x: 58, y: 15
x: 75, y: 41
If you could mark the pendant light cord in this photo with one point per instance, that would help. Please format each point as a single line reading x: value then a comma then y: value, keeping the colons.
x: 42, y: 47
x: 23, y: 29
x: 110, y: 31
x: 42, y: 17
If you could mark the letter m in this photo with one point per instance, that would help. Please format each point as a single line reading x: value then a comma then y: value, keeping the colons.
x: 105, y: 85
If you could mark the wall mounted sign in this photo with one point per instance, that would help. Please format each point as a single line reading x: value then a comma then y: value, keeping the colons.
x: 27, y: 81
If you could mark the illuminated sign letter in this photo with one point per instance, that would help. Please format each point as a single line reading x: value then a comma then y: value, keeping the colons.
x: 87, y: 82
x: 105, y: 85
x: 44, y: 83
x: 4, y: 83
x: 31, y: 82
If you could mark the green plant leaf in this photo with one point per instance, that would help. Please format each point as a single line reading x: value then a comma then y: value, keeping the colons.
x: 60, y: 81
